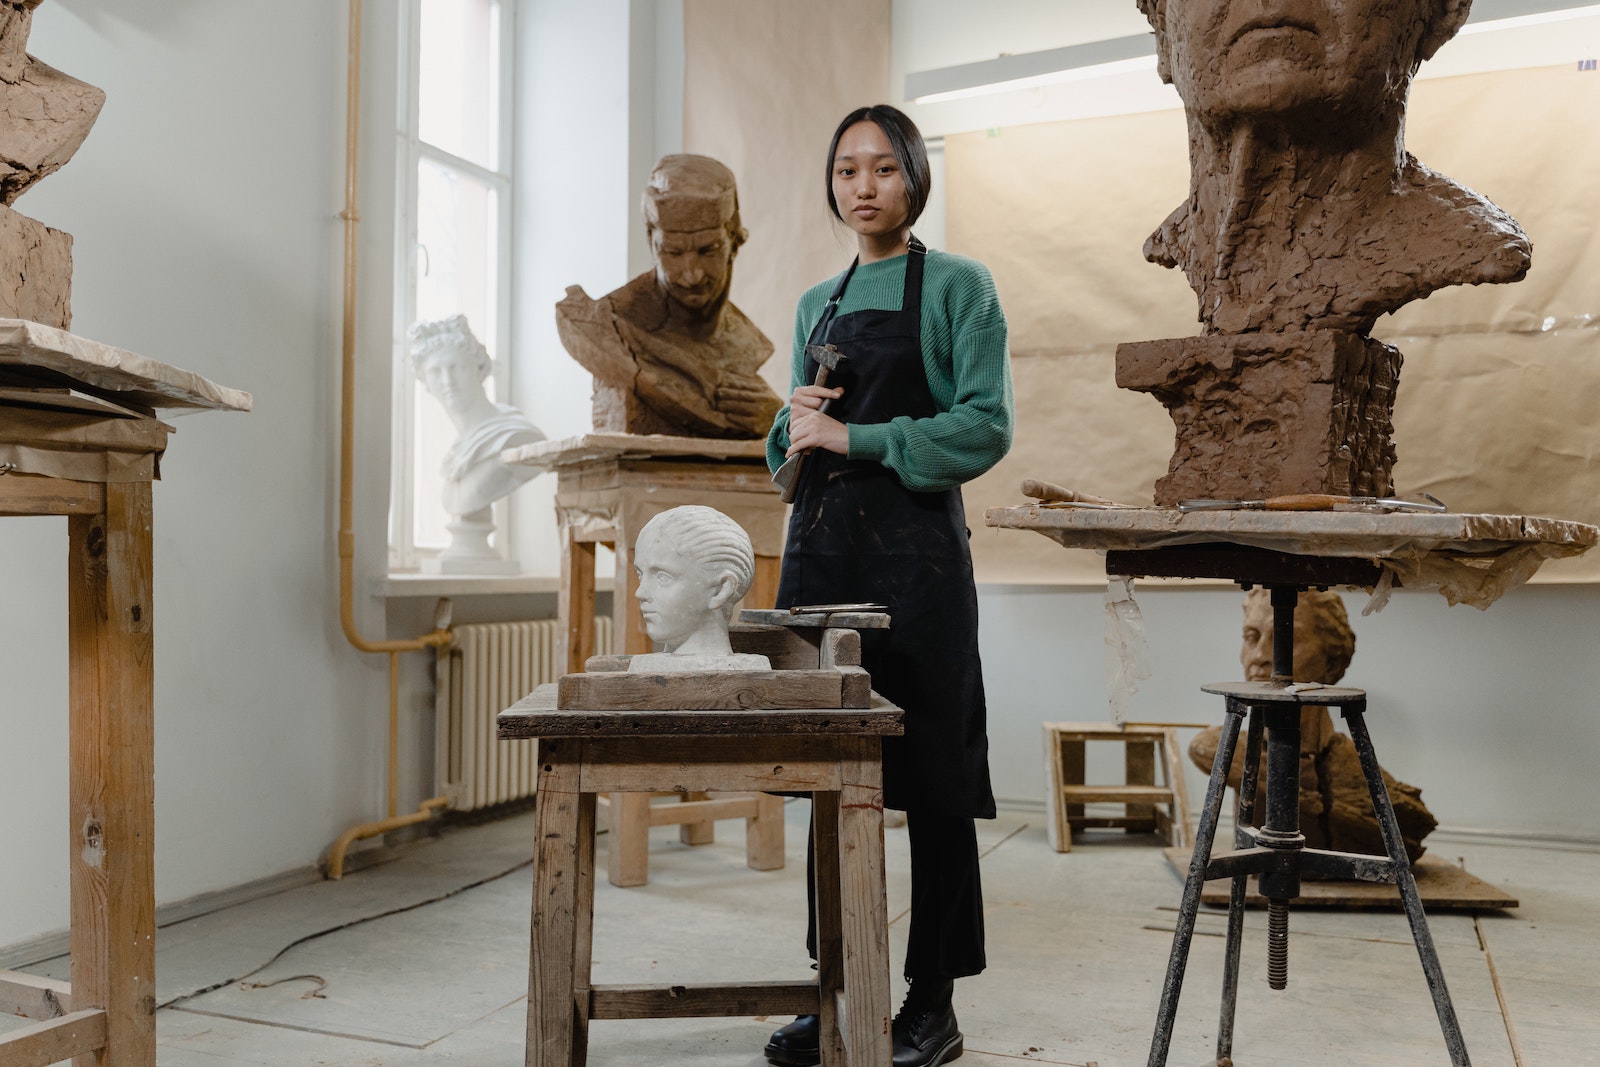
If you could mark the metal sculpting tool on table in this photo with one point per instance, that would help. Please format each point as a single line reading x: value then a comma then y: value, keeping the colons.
x: 1315, y: 502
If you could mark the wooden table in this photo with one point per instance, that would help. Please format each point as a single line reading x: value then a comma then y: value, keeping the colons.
x: 835, y: 754
x: 608, y: 486
x: 78, y: 438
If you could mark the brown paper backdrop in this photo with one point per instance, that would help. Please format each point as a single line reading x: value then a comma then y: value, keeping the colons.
x: 1501, y: 384
x: 764, y: 85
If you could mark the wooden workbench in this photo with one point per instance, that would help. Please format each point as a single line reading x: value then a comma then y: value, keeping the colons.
x: 79, y: 438
x: 835, y: 754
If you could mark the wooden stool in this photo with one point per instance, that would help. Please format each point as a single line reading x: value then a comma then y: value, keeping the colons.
x: 834, y: 754
x: 1144, y: 746
x: 608, y: 486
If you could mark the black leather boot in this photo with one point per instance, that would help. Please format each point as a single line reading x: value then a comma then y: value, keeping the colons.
x: 797, y: 1044
x: 925, y: 1033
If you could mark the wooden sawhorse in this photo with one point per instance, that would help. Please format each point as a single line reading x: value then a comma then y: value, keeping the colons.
x: 95, y: 467
x: 836, y: 755
x: 608, y: 486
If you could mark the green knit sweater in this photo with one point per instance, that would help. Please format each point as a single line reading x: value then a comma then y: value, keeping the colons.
x: 964, y: 353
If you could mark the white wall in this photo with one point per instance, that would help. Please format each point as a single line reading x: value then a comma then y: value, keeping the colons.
x: 204, y: 208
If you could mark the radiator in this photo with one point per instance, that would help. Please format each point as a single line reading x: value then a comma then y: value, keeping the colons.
x: 487, y: 668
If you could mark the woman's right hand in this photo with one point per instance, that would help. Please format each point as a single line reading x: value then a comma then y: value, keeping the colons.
x: 810, y: 426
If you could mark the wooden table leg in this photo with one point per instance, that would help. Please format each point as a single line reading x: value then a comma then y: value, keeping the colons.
x: 830, y: 931
x: 583, y: 939
x: 575, y: 604
x: 557, y: 912
x: 112, y: 797
x: 864, y: 909
x: 628, y: 847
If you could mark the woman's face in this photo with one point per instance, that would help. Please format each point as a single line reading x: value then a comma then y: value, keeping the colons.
x: 868, y: 184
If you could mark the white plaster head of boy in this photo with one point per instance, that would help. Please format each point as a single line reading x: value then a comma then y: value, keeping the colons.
x: 452, y: 365
x: 694, y: 565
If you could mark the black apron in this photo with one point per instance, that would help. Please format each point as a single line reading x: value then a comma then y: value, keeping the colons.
x: 857, y: 534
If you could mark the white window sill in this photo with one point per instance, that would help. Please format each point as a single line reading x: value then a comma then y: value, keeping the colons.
x: 401, y: 586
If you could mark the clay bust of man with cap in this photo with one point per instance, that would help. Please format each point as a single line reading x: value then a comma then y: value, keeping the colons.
x: 1305, y: 211
x: 669, y: 353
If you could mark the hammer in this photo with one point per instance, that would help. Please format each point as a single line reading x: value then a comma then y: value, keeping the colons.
x: 787, y: 477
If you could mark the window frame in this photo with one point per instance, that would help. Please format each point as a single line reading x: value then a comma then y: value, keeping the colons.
x: 405, y: 555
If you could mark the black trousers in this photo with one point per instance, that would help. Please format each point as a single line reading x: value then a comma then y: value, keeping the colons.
x: 946, y: 935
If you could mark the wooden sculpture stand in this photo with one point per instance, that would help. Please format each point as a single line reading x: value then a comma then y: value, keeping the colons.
x: 1470, y: 557
x: 109, y: 1010
x: 834, y: 753
x: 79, y: 438
x: 608, y: 486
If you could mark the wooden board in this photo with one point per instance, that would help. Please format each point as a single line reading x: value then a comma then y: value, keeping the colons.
x: 536, y: 715
x: 1440, y: 884
x: 1367, y: 534
x: 552, y: 455
x: 56, y: 358
x: 712, y: 690
x: 848, y: 620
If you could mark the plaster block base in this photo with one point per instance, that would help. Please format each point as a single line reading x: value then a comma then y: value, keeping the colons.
x: 35, y: 271
x: 1262, y: 415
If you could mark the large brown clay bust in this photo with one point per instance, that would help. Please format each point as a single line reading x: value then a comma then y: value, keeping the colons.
x: 1335, y: 805
x: 1305, y: 209
x: 669, y: 353
x: 1306, y: 220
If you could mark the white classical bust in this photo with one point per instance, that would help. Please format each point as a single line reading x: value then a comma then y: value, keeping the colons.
x: 452, y: 365
x: 694, y: 565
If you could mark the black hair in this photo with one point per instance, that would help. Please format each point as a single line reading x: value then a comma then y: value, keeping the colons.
x: 905, y: 140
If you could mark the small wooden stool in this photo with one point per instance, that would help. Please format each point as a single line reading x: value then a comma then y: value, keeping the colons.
x: 834, y: 754
x: 1144, y: 745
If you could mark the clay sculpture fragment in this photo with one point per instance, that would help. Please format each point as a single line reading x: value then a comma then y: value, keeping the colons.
x: 44, y: 116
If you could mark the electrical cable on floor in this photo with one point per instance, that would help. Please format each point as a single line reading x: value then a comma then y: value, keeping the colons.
x: 343, y: 926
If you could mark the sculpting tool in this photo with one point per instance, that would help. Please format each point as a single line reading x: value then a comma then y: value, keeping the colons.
x: 1049, y: 494
x: 1314, y: 502
x: 787, y: 476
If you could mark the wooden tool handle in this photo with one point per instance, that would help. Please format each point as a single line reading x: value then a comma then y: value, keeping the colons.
x: 1048, y: 492
x: 1303, y: 502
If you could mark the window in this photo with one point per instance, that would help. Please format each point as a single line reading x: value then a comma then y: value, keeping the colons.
x: 453, y: 237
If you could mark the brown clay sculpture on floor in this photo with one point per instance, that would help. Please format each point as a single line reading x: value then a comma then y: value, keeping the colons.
x: 669, y: 353
x: 44, y: 117
x: 1335, y: 807
x: 1306, y: 220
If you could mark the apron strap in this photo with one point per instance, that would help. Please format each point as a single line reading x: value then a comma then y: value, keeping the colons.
x: 825, y: 324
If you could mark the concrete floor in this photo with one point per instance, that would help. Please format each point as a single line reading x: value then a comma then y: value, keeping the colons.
x: 423, y: 960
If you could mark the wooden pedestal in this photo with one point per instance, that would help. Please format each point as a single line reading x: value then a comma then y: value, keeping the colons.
x: 835, y: 754
x: 608, y: 487
x: 78, y: 438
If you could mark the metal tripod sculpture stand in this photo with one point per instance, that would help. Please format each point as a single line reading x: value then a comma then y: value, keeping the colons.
x: 1276, y: 851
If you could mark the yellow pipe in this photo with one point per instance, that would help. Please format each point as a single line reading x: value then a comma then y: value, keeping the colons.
x: 440, y: 635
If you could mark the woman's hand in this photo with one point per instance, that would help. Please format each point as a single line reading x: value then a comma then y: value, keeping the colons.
x: 810, y: 427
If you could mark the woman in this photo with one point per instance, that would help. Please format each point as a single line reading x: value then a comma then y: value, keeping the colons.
x: 922, y: 405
